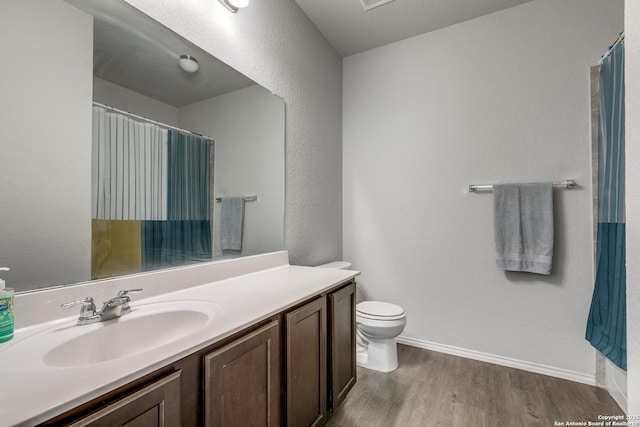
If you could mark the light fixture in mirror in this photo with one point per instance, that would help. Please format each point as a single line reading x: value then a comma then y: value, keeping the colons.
x: 234, y: 5
x: 111, y: 53
x: 188, y: 63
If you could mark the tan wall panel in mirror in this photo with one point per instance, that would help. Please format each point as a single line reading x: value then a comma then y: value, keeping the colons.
x: 111, y: 53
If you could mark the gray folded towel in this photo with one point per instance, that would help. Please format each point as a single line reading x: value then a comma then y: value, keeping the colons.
x: 523, y: 227
x: 231, y: 223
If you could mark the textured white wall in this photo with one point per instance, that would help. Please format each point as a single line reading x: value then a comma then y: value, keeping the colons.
x: 275, y: 44
x: 125, y: 99
x: 248, y: 128
x: 632, y: 140
x: 502, y: 98
x: 45, y: 222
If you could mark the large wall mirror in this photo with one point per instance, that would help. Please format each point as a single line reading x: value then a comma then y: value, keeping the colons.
x: 116, y: 159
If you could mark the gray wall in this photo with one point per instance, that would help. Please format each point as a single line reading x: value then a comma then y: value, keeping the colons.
x: 502, y: 98
x: 45, y: 222
x: 125, y: 99
x: 276, y: 45
x: 248, y: 128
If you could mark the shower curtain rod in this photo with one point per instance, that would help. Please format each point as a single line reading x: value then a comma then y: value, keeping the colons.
x: 619, y: 40
x: 162, y: 125
x: 569, y: 183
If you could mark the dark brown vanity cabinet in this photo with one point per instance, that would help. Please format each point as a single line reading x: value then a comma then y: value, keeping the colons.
x: 291, y: 369
x: 242, y: 381
x: 342, y: 344
x: 157, y: 404
x: 320, y: 357
x: 306, y: 364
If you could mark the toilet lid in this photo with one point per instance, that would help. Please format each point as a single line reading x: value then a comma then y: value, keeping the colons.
x: 340, y: 265
x: 379, y: 310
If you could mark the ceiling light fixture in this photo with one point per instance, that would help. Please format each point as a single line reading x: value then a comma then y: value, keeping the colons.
x: 372, y: 4
x: 188, y: 63
x: 234, y: 5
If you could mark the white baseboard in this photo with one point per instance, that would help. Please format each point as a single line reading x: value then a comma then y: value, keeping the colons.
x: 500, y: 360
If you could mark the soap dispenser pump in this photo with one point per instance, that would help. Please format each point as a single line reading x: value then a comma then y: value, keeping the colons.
x: 6, y: 310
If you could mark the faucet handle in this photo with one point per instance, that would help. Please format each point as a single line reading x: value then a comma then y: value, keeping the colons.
x: 84, y: 301
x: 124, y: 292
x: 87, y: 304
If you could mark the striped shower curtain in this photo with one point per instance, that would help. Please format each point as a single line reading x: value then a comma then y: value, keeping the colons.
x: 606, y: 325
x: 128, y: 170
x: 150, y: 193
x: 185, y: 237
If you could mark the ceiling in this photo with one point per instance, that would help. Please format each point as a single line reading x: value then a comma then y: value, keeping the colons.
x: 134, y: 51
x: 350, y: 29
x: 149, y: 65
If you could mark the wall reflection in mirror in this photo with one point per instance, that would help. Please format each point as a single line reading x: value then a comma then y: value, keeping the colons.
x: 118, y: 159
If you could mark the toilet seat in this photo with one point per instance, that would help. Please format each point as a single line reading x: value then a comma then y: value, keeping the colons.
x: 378, y: 310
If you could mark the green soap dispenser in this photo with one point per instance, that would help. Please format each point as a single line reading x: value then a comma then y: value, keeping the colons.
x: 6, y: 310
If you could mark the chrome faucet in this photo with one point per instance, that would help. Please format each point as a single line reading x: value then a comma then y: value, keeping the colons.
x: 115, y: 307
x: 118, y: 306
x: 88, y: 312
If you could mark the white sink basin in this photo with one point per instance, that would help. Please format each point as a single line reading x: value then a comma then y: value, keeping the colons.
x: 147, y: 327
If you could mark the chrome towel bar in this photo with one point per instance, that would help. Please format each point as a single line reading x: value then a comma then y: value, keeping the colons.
x: 246, y: 199
x: 569, y: 183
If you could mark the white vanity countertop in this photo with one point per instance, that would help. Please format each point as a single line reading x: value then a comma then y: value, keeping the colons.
x: 32, y: 392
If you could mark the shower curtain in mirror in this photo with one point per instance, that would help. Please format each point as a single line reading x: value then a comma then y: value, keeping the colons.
x: 606, y: 325
x: 150, y: 195
x: 185, y: 236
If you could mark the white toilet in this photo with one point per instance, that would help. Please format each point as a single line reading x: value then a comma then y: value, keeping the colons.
x: 377, y: 326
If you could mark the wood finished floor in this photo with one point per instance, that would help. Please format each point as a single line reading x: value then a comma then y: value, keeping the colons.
x: 435, y: 389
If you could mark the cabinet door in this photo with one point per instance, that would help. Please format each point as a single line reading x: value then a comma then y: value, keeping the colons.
x: 342, y: 343
x: 242, y: 381
x: 307, y: 364
x: 157, y: 404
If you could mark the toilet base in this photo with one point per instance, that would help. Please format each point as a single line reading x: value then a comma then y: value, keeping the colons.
x: 378, y: 355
